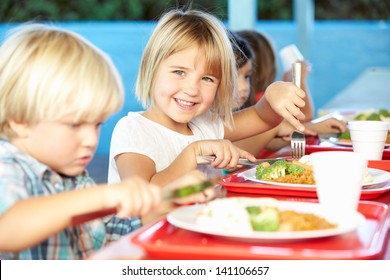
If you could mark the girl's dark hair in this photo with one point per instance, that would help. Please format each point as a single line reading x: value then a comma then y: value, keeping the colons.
x: 241, y: 48
x: 264, y: 62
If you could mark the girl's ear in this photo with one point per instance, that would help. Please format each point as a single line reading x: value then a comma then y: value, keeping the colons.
x: 21, y: 130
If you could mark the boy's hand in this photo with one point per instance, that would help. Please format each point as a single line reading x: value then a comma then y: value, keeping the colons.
x: 133, y: 197
x: 190, y: 179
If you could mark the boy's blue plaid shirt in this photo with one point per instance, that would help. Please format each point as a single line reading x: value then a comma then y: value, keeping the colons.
x: 23, y: 177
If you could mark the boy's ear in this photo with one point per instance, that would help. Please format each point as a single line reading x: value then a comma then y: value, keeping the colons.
x: 20, y: 129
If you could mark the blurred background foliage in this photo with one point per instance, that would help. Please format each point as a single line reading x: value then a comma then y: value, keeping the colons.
x: 91, y: 10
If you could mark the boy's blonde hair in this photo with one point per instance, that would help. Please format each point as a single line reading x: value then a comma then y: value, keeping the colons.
x: 178, y: 30
x: 47, y: 73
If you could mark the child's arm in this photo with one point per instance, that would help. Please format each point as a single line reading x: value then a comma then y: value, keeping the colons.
x: 331, y: 125
x: 226, y: 154
x: 258, y: 142
x: 31, y: 221
x: 281, y: 100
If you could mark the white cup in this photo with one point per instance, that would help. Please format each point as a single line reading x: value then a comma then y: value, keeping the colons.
x: 289, y: 55
x: 339, y: 178
x: 369, y: 138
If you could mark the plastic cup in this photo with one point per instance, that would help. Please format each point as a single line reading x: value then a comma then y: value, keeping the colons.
x: 339, y: 179
x: 369, y: 138
x: 289, y: 55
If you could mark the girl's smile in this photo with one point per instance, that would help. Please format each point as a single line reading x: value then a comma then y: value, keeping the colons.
x: 184, y: 104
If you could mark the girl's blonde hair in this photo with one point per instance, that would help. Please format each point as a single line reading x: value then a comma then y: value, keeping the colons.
x: 47, y: 73
x: 178, y: 30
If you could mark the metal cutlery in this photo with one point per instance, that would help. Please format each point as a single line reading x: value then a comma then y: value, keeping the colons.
x: 298, y: 139
x: 298, y: 142
x: 296, y: 73
x: 241, y: 161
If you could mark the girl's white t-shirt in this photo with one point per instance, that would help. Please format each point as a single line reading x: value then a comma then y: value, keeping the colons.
x: 137, y: 134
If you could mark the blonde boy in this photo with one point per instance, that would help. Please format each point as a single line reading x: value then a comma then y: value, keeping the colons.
x: 56, y: 89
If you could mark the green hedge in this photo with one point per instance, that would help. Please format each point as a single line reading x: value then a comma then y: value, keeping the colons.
x: 66, y: 10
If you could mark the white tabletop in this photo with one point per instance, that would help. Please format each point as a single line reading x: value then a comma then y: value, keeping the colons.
x: 370, y: 90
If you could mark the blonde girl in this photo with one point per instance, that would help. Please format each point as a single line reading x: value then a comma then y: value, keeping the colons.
x: 187, y: 81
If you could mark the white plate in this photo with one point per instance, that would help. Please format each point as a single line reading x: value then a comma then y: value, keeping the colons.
x: 185, y: 218
x: 379, y: 176
x: 336, y: 141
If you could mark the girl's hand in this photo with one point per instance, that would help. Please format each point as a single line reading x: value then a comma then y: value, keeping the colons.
x: 286, y: 99
x: 133, y: 197
x: 331, y: 125
x: 285, y: 129
x: 225, y: 152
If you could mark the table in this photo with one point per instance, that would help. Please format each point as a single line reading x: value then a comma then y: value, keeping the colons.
x: 370, y: 90
x: 124, y: 249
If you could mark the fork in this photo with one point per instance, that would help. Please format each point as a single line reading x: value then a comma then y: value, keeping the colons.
x: 298, y: 139
x: 296, y: 73
x: 298, y: 142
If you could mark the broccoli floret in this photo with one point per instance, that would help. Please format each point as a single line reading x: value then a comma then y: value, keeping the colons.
x: 275, y: 170
x: 267, y: 220
x: 373, y: 117
x: 186, y: 191
x: 360, y: 117
x: 280, y: 162
x: 265, y: 174
x: 295, y: 169
x: 260, y: 169
x: 345, y: 135
x: 253, y: 210
x: 384, y: 113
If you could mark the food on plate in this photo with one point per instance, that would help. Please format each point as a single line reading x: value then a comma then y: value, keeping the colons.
x: 345, y: 136
x: 251, y: 215
x: 293, y: 172
x: 282, y: 171
x: 189, y: 190
x: 370, y: 115
x: 263, y: 218
x: 367, y: 177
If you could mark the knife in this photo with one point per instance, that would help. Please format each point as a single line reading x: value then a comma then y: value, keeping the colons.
x: 241, y: 161
x: 181, y: 192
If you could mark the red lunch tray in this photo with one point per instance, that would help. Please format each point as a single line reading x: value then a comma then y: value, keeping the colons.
x: 162, y: 240
x: 234, y: 183
x: 320, y: 146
